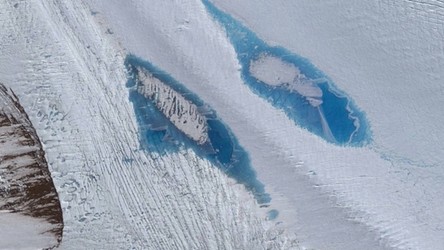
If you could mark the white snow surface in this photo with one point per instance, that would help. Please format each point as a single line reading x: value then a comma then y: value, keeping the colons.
x: 26, y: 233
x: 68, y: 71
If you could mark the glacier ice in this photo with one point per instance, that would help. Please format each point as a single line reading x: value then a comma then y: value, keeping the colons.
x: 70, y: 77
x: 68, y: 71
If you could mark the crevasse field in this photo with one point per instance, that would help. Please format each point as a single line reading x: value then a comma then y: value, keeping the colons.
x: 222, y: 124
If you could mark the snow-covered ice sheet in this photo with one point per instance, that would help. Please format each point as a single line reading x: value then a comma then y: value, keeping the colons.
x: 69, y: 73
x: 385, y: 194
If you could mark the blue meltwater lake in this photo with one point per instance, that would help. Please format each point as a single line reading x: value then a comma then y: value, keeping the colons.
x: 160, y: 134
x: 295, y: 85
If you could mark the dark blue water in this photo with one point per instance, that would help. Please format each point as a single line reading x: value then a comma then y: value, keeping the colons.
x: 158, y: 134
x: 347, y: 123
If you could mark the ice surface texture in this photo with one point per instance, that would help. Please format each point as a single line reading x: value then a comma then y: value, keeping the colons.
x: 171, y: 117
x: 69, y: 73
x: 26, y: 187
x: 291, y: 83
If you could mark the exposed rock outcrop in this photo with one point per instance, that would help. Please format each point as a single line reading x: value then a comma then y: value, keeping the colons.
x: 26, y: 186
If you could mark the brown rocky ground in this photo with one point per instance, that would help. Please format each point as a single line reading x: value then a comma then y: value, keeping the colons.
x: 26, y: 186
